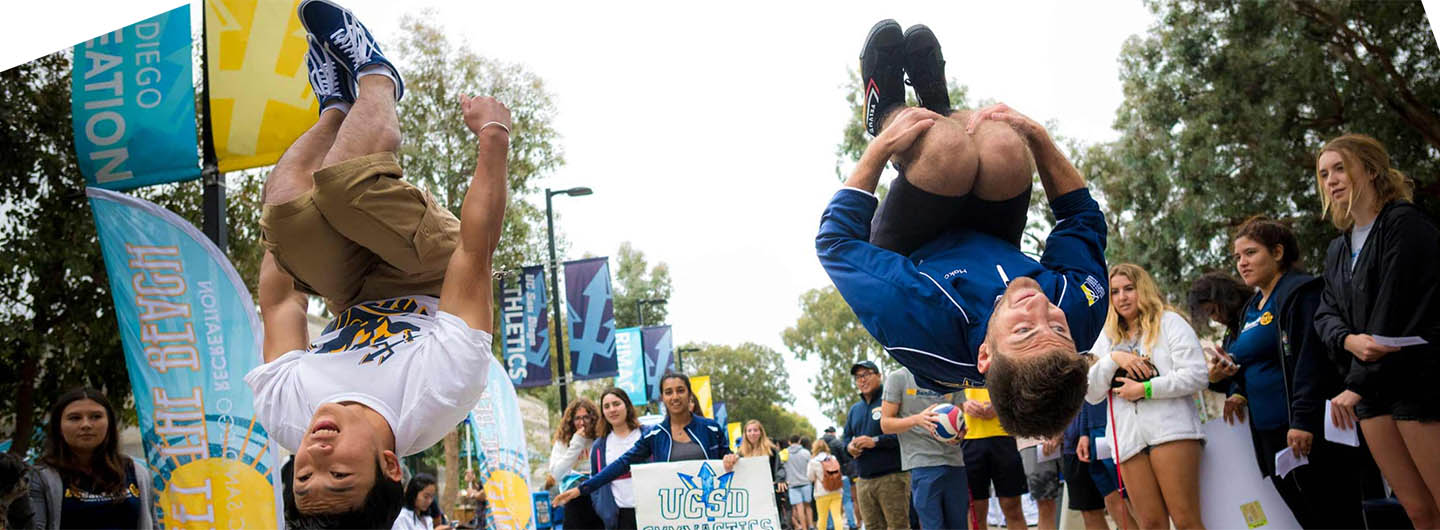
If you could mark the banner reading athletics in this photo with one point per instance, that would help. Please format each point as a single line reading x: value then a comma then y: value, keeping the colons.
x: 592, y: 318
x: 260, y: 98
x: 659, y: 357
x: 526, y: 328
x: 190, y: 334
x: 132, y: 88
x: 699, y: 494
x: 500, y: 438
x: 631, y: 360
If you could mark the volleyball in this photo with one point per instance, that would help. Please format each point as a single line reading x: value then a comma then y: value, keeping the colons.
x: 952, y: 422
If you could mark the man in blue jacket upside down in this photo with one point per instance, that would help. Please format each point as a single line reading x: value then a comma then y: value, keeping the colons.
x: 940, y: 279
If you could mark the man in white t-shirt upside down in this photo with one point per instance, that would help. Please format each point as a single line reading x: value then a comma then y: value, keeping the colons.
x: 406, y: 357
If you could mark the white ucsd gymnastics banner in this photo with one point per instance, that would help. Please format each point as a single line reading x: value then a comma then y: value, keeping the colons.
x: 699, y: 494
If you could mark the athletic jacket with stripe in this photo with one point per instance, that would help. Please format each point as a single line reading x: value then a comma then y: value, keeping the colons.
x: 929, y: 310
x: 654, y: 446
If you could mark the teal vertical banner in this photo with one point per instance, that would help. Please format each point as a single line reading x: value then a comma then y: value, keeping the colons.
x: 630, y: 357
x: 190, y: 333
x: 499, y: 437
x: 132, y: 104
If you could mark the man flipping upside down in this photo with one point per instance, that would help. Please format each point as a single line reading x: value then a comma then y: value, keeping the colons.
x: 398, y: 368
x: 940, y: 280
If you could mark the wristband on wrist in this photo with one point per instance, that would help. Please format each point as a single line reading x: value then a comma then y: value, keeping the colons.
x: 497, y: 124
x: 1147, y: 390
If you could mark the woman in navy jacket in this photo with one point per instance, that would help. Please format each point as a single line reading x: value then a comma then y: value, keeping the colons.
x: 683, y: 435
x: 1381, y: 280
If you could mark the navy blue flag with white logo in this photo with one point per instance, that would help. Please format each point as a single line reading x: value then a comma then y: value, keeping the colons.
x: 659, y: 357
x: 722, y: 416
x: 525, y: 328
x: 592, y: 318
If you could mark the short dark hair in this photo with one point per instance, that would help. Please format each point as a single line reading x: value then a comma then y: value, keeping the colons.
x: 378, y: 510
x: 1227, y: 294
x: 13, y: 472
x: 1036, y: 396
x: 805, y: 441
x: 1270, y: 234
x: 794, y: 438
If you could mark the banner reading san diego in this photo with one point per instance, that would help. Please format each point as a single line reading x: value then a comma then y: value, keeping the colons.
x: 700, y: 495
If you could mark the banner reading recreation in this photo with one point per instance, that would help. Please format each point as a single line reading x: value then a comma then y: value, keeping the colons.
x: 631, y: 359
x: 659, y: 357
x: 592, y: 318
x: 700, y: 495
x: 526, y: 328
x: 132, y: 104
x: 260, y: 98
x: 500, y: 438
x: 190, y: 333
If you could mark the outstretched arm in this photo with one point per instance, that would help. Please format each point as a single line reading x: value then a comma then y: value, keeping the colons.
x: 282, y: 311
x: 1057, y: 174
x: 467, y: 290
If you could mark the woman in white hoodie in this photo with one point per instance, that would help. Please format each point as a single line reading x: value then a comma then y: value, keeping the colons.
x: 1155, y: 362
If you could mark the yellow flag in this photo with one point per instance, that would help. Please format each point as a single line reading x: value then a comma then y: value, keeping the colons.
x: 733, y: 429
x: 260, y: 98
x: 701, y: 384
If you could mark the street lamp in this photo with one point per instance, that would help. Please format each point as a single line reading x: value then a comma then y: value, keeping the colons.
x: 640, y: 309
x: 680, y: 357
x: 555, y: 283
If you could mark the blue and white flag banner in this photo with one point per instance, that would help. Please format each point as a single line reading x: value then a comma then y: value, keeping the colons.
x: 132, y: 104
x: 701, y: 494
x: 659, y: 357
x: 631, y: 358
x: 591, y: 318
x: 190, y: 333
x: 499, y: 433
x: 526, y: 328
x: 722, y: 416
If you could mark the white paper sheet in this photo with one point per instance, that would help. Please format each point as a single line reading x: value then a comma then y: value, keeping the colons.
x: 1042, y: 456
x: 1103, y: 447
x: 1340, y: 435
x: 1399, y: 342
x: 1286, y: 461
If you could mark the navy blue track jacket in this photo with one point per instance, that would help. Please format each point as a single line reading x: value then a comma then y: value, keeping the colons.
x: 929, y: 310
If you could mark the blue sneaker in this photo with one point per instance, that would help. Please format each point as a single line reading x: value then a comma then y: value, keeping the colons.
x: 346, y: 40
x: 330, y: 82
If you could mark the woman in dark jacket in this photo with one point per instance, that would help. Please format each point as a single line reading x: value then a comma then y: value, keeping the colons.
x: 1283, y: 376
x: 683, y: 435
x: 1382, y: 283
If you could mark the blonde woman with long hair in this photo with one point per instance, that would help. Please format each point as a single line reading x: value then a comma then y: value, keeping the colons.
x: 1381, y: 280
x: 1149, y: 364
x: 754, y: 441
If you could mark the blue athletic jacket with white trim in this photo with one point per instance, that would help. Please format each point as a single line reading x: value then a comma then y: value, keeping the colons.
x: 654, y: 446
x: 929, y: 310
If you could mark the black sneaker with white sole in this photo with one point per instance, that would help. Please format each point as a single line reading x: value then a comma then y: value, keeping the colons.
x: 925, y: 69
x: 882, y: 74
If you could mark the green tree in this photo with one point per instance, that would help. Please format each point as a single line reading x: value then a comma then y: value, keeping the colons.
x: 828, y: 330
x: 636, y: 280
x: 54, y: 291
x: 752, y: 381
x: 1227, y: 103
x: 439, y: 151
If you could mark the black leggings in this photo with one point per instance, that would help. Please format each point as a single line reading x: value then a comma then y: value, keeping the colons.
x: 910, y: 217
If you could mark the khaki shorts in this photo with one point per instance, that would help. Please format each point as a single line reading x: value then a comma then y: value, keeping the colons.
x: 362, y: 234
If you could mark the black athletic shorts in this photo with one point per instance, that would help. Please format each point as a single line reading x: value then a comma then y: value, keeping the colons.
x: 910, y: 217
x: 994, y: 460
x: 1409, y: 393
x: 1084, y: 496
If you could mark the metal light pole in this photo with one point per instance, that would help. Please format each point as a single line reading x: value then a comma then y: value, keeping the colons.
x: 640, y: 307
x: 680, y: 358
x: 560, y: 352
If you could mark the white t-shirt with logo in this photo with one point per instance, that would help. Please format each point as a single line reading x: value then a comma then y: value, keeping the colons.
x: 615, y: 447
x: 421, y: 369
x: 1358, y: 235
